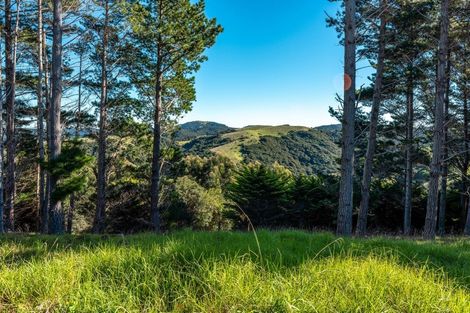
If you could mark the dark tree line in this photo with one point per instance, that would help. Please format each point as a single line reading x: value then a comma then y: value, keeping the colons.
x: 419, y: 92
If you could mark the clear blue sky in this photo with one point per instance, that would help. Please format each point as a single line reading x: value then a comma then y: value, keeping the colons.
x: 275, y: 63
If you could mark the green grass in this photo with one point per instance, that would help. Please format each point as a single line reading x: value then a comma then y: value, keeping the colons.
x: 251, y: 135
x: 290, y: 271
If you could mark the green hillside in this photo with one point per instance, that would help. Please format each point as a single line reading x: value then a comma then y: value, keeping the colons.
x: 192, y: 130
x: 287, y: 271
x: 301, y: 149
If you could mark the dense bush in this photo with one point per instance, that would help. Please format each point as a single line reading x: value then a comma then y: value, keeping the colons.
x: 206, y: 208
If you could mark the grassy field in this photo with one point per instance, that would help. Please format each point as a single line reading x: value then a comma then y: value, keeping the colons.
x: 289, y: 271
x: 251, y: 135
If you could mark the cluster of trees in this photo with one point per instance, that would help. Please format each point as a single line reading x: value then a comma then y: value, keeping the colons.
x: 90, y: 93
x: 417, y: 108
x: 63, y: 59
x: 217, y: 193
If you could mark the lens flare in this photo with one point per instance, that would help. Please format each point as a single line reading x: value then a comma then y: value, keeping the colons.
x: 347, y: 82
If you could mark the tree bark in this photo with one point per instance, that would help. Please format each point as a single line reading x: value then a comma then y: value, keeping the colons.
x: 42, y: 209
x: 47, y: 93
x: 361, y: 228
x: 409, y: 154
x: 56, y: 211
x: 445, y: 168
x: 99, y: 222
x: 156, y: 159
x: 71, y: 210
x: 435, y: 168
x: 11, y: 39
x: 466, y: 162
x: 345, y: 207
x: 70, y: 214
x: 2, y: 228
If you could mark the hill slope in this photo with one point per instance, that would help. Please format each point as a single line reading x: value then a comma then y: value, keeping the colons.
x: 301, y: 149
x: 289, y: 271
x: 192, y: 130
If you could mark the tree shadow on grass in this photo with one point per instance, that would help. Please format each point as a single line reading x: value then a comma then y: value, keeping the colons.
x: 274, y: 251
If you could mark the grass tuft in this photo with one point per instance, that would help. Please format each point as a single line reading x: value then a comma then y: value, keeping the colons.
x: 223, y: 272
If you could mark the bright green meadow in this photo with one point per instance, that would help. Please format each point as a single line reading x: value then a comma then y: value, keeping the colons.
x: 288, y: 271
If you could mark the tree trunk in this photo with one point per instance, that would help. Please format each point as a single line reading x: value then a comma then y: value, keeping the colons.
x: 56, y: 211
x: 98, y: 226
x: 409, y: 154
x: 435, y: 168
x: 47, y: 93
x: 79, y: 100
x: 11, y: 39
x: 466, y: 160
x: 345, y: 208
x: 77, y: 135
x: 445, y: 168
x: 2, y: 228
x: 40, y: 124
x: 361, y: 228
x: 70, y: 214
x: 156, y: 159
x: 466, y: 163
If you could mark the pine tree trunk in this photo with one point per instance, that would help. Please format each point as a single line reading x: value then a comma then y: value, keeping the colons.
x: 361, y: 228
x: 466, y: 230
x: 435, y: 168
x: 71, y: 210
x: 409, y: 154
x: 156, y: 159
x: 47, y: 93
x: 345, y: 208
x: 2, y: 228
x: 70, y: 214
x: 40, y: 122
x: 445, y: 168
x: 466, y: 160
x: 98, y: 226
x: 11, y: 38
x: 466, y: 216
x: 56, y: 212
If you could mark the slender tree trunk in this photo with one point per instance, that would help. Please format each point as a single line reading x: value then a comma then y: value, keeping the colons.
x: 435, y: 168
x: 40, y: 123
x: 409, y: 154
x: 156, y: 160
x: 466, y: 160
x: 98, y: 226
x: 56, y: 211
x: 2, y: 228
x: 361, y: 228
x: 71, y: 211
x: 466, y: 230
x: 70, y: 214
x: 79, y: 101
x: 345, y: 208
x: 46, y: 203
x: 11, y: 39
x: 445, y: 168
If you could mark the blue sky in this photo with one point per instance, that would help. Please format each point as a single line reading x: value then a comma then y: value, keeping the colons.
x: 275, y: 63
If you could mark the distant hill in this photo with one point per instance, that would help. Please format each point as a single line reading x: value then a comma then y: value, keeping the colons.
x: 333, y: 130
x: 301, y: 149
x: 192, y: 130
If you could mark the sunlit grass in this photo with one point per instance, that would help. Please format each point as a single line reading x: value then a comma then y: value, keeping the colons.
x: 251, y: 135
x: 290, y: 271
